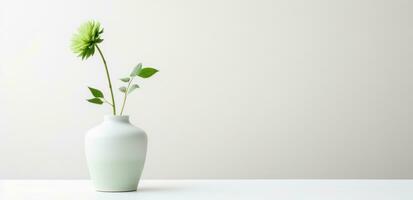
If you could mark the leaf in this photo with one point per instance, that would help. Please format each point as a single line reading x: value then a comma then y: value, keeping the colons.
x: 95, y: 92
x: 123, y: 89
x: 132, y: 88
x: 95, y: 101
x: 126, y: 79
x: 147, y: 72
x: 136, y: 70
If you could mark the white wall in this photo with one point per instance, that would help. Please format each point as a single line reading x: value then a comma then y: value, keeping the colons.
x: 246, y: 89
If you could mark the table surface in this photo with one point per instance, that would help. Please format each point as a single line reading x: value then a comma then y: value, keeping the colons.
x: 213, y: 189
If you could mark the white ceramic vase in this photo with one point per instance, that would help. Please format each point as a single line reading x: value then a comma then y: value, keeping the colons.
x: 115, y: 154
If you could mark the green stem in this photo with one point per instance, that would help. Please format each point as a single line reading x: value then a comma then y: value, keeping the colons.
x: 124, y: 97
x: 110, y: 83
x: 106, y: 101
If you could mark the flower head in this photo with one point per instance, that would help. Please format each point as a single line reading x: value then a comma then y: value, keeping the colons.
x: 85, y: 40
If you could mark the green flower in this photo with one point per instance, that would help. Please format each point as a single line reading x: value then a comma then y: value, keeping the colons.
x: 85, y: 41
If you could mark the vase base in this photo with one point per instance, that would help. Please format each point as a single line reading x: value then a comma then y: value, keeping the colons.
x: 113, y: 191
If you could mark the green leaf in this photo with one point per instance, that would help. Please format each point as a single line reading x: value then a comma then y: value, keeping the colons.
x: 132, y: 88
x: 127, y: 79
x: 136, y: 70
x: 147, y: 72
x: 95, y: 92
x: 122, y: 89
x: 95, y: 101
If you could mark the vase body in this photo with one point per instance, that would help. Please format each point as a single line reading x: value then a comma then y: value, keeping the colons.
x: 115, y: 153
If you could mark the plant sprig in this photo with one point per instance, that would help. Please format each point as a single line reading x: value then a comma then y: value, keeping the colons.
x: 129, y: 88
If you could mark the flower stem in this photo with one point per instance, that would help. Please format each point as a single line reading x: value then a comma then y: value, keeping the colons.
x: 108, y: 76
x: 126, y: 95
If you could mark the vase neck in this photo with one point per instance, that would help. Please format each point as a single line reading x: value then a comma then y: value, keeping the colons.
x: 116, y: 118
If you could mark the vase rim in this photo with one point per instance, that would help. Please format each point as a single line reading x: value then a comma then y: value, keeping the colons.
x: 123, y: 118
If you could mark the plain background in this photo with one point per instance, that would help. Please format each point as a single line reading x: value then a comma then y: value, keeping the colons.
x: 246, y: 89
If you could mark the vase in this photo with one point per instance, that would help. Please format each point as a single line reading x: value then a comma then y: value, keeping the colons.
x: 115, y: 153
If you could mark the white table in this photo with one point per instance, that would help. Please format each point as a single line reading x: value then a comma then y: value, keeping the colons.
x: 213, y: 189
